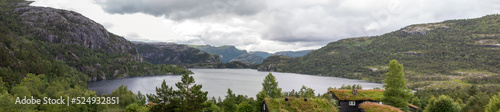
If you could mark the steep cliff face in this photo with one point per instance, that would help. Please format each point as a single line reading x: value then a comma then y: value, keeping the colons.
x: 171, y: 53
x: 68, y: 27
x: 62, y: 43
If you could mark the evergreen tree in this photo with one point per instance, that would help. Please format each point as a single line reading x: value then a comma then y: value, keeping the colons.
x: 270, y: 86
x: 126, y: 96
x: 494, y: 104
x: 306, y: 92
x: 212, y: 107
x: 443, y: 104
x: 2, y: 87
x: 141, y: 99
x: 396, y: 93
x: 164, y: 98
x: 189, y: 97
x: 245, y: 107
x: 476, y: 103
x: 269, y: 89
x: 229, y: 104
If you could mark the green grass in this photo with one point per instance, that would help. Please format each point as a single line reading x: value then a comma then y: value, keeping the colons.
x: 299, y: 105
x: 375, y: 107
x: 346, y: 94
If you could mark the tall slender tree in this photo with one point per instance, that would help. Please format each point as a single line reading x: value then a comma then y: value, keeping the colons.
x: 269, y: 89
x: 396, y: 93
x: 270, y: 86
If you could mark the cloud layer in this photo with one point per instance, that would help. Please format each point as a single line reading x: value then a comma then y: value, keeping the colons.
x: 184, y: 9
x: 272, y: 25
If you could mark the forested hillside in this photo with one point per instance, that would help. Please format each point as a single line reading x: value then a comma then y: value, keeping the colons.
x: 48, y: 52
x: 466, y: 50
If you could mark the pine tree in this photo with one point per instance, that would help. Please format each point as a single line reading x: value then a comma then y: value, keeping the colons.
x: 193, y: 96
x: 229, y: 104
x: 269, y: 89
x: 396, y: 93
x: 189, y: 97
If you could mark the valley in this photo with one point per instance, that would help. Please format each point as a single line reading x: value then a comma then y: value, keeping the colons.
x: 57, y: 53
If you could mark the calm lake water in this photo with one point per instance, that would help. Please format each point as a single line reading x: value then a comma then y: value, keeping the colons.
x: 241, y: 81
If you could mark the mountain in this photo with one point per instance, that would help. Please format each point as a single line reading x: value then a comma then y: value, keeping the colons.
x: 231, y: 53
x: 293, y: 53
x: 171, y: 53
x: 64, y: 44
x: 445, y: 51
x: 226, y: 53
x: 252, y: 58
x: 260, y: 53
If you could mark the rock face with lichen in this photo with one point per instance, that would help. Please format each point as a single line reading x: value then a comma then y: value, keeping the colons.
x: 68, y: 27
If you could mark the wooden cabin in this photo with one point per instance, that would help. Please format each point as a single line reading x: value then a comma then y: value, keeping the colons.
x: 349, y: 100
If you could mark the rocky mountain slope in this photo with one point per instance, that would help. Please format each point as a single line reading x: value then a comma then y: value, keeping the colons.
x: 68, y: 27
x: 449, y: 50
x: 44, y: 40
x: 171, y: 53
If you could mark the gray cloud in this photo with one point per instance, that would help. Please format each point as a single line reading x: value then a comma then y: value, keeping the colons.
x: 295, y: 24
x: 183, y: 9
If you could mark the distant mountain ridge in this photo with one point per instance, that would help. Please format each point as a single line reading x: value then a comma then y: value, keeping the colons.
x: 230, y: 53
x: 226, y: 53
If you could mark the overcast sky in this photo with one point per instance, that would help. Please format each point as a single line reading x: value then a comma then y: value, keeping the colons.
x: 266, y: 25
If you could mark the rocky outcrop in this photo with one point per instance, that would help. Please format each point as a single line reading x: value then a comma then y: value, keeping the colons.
x: 171, y: 53
x: 68, y: 27
x: 271, y: 63
x: 424, y: 28
x: 251, y: 58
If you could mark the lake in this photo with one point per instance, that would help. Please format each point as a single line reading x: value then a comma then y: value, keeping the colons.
x: 241, y: 81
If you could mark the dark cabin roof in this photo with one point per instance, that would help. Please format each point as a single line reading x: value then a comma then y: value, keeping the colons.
x: 299, y: 105
x: 347, y: 94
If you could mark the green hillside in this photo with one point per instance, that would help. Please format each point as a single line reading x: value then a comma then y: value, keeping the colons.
x: 292, y: 54
x: 53, y: 53
x: 450, y: 50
